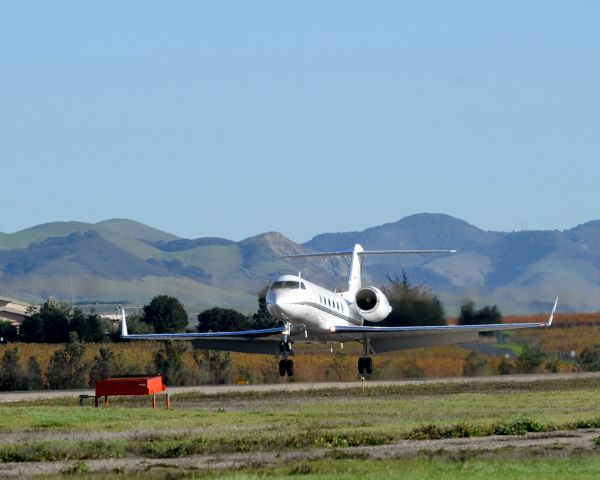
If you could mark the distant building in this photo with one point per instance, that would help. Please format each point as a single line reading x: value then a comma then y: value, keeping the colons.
x: 13, y: 311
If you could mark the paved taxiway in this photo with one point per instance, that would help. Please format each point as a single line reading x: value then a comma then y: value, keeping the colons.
x: 295, y: 387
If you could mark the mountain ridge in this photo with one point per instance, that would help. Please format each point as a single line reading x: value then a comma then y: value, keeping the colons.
x: 123, y: 258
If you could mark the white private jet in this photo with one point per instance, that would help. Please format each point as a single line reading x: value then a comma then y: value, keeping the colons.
x: 311, y: 313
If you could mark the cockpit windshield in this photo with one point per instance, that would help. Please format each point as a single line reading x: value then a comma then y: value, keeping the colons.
x: 288, y: 285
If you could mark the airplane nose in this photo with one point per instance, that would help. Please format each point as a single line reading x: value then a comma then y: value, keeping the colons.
x: 277, y: 306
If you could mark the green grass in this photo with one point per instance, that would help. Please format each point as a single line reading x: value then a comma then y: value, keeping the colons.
x: 390, y: 410
x: 322, y: 421
x: 461, y: 467
x: 422, y: 468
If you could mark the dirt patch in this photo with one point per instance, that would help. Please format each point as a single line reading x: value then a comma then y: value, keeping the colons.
x: 559, y: 443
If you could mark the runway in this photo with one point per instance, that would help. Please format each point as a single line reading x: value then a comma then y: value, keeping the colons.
x: 7, y: 397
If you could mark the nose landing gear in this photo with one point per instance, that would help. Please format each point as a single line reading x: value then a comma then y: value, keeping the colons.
x: 286, y: 366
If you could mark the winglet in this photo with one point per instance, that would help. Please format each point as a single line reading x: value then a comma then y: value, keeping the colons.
x: 551, y: 317
x: 123, y: 324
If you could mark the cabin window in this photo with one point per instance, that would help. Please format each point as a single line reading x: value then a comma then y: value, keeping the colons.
x: 285, y: 285
x: 302, y: 287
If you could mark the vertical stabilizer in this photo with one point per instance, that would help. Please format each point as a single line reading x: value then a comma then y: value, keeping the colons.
x: 354, y: 280
x: 124, y: 332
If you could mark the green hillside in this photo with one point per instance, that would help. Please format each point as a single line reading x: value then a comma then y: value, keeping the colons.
x: 123, y: 260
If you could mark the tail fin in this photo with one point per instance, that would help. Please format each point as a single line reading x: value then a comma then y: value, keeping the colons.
x: 123, y: 324
x: 355, y: 277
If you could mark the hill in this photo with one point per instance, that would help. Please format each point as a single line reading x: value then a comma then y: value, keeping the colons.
x: 123, y: 260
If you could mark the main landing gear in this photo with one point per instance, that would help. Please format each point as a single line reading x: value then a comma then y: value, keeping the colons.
x: 365, y: 365
x: 286, y: 366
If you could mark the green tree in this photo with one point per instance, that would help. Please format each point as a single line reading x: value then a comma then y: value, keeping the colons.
x: 262, y: 318
x: 55, y: 315
x: 168, y: 361
x: 411, y: 305
x: 8, y: 332
x: 530, y: 359
x: 90, y: 327
x: 55, y: 319
x: 11, y: 372
x: 484, y: 316
x: 66, y: 368
x: 219, y: 319
x: 166, y: 314
x: 105, y: 365
x: 589, y: 358
x: 34, y: 374
x: 31, y: 329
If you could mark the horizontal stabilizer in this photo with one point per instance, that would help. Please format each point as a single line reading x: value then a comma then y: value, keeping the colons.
x: 365, y: 253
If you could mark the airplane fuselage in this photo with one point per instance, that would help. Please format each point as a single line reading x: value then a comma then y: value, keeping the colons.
x: 309, y: 307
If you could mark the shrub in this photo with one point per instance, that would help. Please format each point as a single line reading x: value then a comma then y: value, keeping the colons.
x: 67, y: 368
x: 589, y: 359
x: 412, y: 370
x: 519, y: 427
x: 105, y: 365
x: 34, y: 374
x: 11, y: 372
x: 530, y: 359
x: 475, y: 365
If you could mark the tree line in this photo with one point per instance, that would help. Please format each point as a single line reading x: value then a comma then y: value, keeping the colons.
x: 58, y: 322
x: 68, y: 367
x: 54, y: 321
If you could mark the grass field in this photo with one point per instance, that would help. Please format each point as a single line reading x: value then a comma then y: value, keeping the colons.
x: 404, y: 469
x: 260, y: 428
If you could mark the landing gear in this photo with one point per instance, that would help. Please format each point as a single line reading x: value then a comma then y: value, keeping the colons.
x: 365, y: 365
x: 286, y: 366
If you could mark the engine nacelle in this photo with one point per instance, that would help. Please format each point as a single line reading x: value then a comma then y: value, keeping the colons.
x: 372, y: 304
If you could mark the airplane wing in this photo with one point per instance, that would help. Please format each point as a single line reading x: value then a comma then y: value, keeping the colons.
x: 264, y: 341
x: 387, y: 339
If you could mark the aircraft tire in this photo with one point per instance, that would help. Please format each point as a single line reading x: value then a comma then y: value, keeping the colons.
x: 282, y: 368
x: 361, y: 365
x: 368, y: 365
x: 289, y: 368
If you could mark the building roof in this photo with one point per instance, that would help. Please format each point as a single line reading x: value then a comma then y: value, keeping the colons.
x: 13, y: 310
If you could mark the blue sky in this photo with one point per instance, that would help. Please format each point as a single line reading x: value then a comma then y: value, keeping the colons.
x: 235, y: 118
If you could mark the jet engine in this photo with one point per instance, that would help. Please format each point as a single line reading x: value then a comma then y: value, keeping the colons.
x: 372, y: 304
